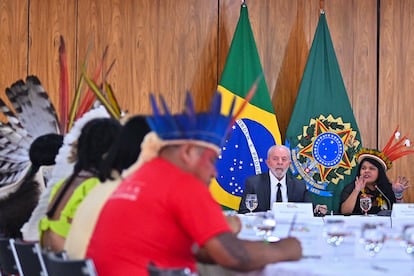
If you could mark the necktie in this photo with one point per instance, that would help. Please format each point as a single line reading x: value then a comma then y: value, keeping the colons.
x: 278, y: 193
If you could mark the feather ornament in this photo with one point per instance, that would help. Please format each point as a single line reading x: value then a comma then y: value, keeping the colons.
x: 90, y: 97
x: 61, y: 170
x: 112, y: 99
x: 395, y: 148
x: 33, y: 115
x: 64, y: 87
x: 78, y: 91
x: 100, y: 96
x: 207, y: 128
x: 33, y: 108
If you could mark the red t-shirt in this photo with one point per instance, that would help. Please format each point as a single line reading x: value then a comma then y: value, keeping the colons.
x: 156, y: 214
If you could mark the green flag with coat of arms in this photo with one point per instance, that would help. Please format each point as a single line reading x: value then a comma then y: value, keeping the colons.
x: 322, y: 133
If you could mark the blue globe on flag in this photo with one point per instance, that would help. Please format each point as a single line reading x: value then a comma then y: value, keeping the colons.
x: 243, y: 155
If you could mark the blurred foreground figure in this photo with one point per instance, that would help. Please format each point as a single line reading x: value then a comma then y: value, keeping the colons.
x: 164, y: 214
x: 120, y: 161
x: 93, y: 144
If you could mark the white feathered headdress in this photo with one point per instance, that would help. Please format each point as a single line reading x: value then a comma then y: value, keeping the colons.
x: 33, y: 115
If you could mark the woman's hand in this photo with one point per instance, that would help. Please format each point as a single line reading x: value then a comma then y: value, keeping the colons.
x: 400, y: 185
x: 359, y: 183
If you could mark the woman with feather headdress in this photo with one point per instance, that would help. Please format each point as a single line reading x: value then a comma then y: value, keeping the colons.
x: 28, y: 144
x: 94, y: 141
x: 72, y: 121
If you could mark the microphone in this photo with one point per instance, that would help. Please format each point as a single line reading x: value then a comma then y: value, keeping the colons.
x: 386, y: 198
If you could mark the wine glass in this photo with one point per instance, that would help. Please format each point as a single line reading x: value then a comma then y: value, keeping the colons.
x: 251, y: 202
x: 372, y: 237
x: 365, y: 203
x: 334, y: 232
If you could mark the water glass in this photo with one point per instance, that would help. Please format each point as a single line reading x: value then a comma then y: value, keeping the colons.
x: 334, y: 233
x: 265, y: 225
x: 251, y: 202
x: 365, y: 203
x: 373, y: 238
x: 408, y: 236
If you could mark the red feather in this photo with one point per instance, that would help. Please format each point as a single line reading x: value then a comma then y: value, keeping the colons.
x: 90, y: 97
x: 64, y: 87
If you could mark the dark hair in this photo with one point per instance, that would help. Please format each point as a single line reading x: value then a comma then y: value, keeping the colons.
x: 94, y: 141
x: 43, y: 151
x: 382, y: 181
x: 126, y: 148
x: 17, y: 208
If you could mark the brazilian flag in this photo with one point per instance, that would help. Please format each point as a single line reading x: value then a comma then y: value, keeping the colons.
x: 322, y: 133
x: 256, y: 129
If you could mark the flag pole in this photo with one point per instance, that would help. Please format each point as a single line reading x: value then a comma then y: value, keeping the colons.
x: 321, y: 6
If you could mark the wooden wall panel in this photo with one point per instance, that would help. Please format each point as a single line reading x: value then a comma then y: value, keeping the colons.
x: 362, y: 87
x: 13, y: 43
x: 165, y: 47
x: 396, y: 80
x: 353, y: 27
x: 48, y: 20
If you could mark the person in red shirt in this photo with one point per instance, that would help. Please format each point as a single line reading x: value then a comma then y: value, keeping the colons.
x: 164, y: 214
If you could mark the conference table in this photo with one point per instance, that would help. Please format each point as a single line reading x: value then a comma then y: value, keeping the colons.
x: 351, y: 257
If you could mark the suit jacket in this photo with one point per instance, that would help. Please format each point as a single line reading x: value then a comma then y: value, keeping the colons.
x: 260, y: 185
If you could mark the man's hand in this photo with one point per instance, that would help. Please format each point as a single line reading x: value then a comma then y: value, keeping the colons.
x: 320, y: 210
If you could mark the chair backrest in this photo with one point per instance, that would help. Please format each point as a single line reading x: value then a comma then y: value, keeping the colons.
x: 28, y: 257
x: 57, y: 266
x: 7, y: 263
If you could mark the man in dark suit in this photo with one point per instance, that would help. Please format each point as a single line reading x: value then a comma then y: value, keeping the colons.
x: 275, y: 185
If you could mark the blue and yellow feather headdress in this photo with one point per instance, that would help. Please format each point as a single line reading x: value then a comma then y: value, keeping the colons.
x: 209, y: 128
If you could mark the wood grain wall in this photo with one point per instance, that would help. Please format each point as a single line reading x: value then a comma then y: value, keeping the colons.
x: 396, y: 79
x: 169, y: 46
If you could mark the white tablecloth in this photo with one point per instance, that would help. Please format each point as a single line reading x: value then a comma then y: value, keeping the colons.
x: 313, y: 267
x: 321, y: 259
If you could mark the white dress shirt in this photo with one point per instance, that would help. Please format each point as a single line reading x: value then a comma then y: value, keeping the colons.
x: 273, y: 188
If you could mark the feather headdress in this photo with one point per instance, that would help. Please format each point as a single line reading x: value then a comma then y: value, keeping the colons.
x: 209, y: 128
x: 33, y: 115
x: 395, y: 148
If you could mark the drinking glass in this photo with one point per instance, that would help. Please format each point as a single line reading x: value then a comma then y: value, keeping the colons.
x: 334, y: 233
x: 251, y: 202
x: 373, y: 238
x: 265, y: 225
x: 365, y: 203
x: 408, y: 236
